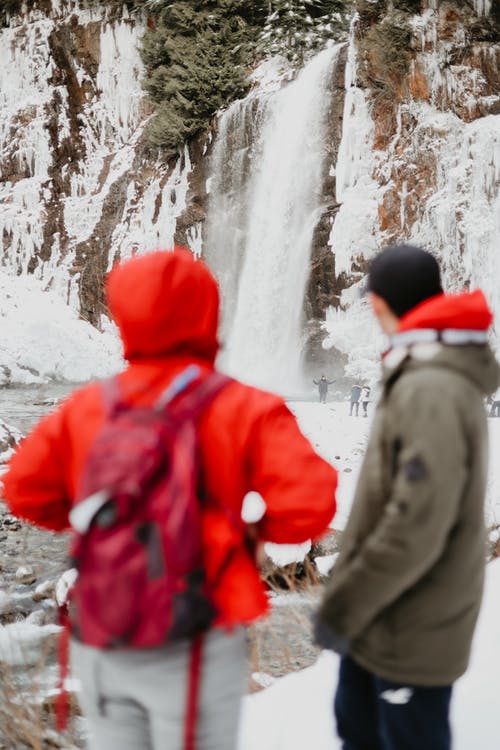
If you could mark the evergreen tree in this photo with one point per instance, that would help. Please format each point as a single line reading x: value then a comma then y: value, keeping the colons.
x: 298, y: 28
x: 197, y: 59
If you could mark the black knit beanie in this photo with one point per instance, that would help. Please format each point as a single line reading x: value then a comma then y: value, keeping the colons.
x: 404, y: 276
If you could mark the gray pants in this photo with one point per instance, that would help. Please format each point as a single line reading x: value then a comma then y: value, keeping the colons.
x: 135, y: 700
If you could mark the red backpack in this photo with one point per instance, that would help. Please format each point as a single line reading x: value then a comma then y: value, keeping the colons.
x: 137, y: 544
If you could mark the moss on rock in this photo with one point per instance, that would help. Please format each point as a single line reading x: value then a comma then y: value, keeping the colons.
x: 408, y: 6
x: 385, y: 53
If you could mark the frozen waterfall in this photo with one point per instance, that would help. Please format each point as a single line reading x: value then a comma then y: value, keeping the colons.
x: 265, y: 201
x: 482, y: 7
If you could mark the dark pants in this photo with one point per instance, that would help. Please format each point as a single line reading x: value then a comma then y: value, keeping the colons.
x: 355, y: 406
x: 375, y: 714
x: 322, y: 397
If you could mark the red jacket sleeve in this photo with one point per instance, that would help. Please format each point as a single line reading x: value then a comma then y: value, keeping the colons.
x: 34, y: 486
x: 297, y: 485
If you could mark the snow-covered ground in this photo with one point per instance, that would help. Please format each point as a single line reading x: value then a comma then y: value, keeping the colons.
x: 338, y: 438
x: 296, y: 711
x: 341, y: 440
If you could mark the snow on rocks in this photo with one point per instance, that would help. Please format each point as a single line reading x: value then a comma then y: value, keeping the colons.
x: 325, y: 563
x: 433, y: 180
x: 9, y: 438
x: 43, y: 339
x: 59, y: 174
x: 286, y: 554
x: 20, y: 642
x: 25, y: 575
x: 45, y: 590
x: 64, y: 585
x: 263, y: 679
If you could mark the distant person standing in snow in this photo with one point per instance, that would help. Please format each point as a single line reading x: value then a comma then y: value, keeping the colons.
x: 365, y: 399
x: 176, y: 681
x: 495, y: 404
x: 404, y: 595
x: 355, y: 396
x: 323, y: 384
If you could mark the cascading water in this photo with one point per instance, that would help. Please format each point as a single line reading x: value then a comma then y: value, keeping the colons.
x: 233, y: 154
x: 262, y: 215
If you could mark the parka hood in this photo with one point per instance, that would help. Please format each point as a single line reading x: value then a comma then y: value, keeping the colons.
x: 467, y: 311
x: 459, y: 323
x: 165, y: 303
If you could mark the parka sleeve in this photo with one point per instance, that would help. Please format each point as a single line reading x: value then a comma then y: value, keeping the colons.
x: 34, y: 486
x: 429, y: 457
x: 297, y: 485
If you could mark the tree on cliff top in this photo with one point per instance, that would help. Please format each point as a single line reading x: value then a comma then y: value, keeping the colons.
x: 196, y: 60
x: 298, y: 28
x: 199, y: 53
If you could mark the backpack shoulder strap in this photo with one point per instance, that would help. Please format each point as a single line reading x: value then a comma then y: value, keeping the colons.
x: 193, y: 401
x: 187, y: 394
x: 179, y: 384
x: 111, y: 396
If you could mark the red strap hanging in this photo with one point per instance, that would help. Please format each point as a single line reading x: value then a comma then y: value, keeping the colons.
x: 193, y: 693
x: 62, y: 698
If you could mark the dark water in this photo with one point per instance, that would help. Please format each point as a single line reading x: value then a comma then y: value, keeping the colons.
x: 22, y: 406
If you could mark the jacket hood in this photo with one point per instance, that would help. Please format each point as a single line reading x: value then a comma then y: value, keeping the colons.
x: 165, y: 303
x: 467, y: 311
x: 461, y: 318
x: 461, y: 322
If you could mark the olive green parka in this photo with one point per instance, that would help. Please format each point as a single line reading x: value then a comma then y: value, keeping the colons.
x: 405, y: 592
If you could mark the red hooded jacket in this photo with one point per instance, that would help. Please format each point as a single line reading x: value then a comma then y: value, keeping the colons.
x: 166, y: 306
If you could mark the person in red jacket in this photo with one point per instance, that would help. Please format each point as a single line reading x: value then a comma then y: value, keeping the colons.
x: 166, y: 305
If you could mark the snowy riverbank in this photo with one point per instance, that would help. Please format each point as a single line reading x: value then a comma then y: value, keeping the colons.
x: 295, y: 711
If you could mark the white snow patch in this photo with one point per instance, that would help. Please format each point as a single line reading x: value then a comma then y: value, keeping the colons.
x: 20, y: 642
x: 43, y: 339
x: 263, y: 679
x: 285, y: 554
x: 325, y: 563
x: 340, y: 440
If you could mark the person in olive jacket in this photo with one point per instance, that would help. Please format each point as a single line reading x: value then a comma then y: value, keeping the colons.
x: 403, y: 598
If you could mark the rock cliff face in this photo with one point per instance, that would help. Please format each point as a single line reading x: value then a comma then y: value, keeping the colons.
x: 411, y: 152
x: 77, y: 187
x: 420, y: 157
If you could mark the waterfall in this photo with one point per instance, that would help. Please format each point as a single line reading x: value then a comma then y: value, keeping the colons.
x: 233, y: 154
x: 264, y: 206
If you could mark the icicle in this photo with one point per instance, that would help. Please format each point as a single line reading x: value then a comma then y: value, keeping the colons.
x: 482, y: 7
